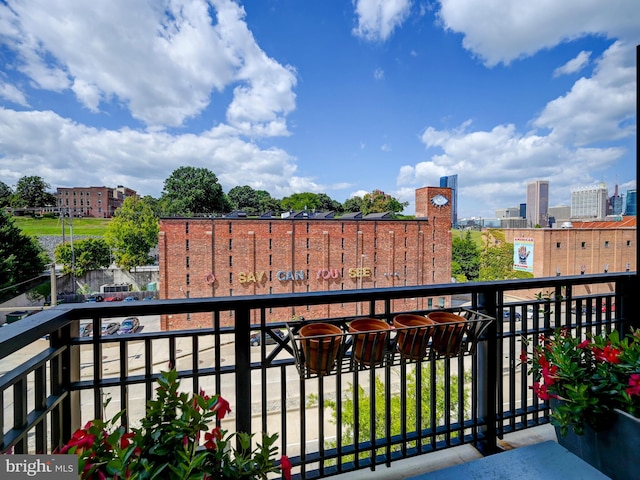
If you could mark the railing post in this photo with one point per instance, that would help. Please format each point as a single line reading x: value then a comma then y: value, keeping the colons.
x: 65, y: 371
x: 243, y: 370
x: 488, y: 377
x: 628, y: 308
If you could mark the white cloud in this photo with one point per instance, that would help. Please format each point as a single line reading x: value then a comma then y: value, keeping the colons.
x: 504, y: 30
x: 494, y: 166
x: 378, y: 74
x: 47, y: 145
x: 596, y: 108
x: 385, y: 147
x: 377, y: 19
x: 13, y: 94
x: 162, y: 60
x: 574, y: 65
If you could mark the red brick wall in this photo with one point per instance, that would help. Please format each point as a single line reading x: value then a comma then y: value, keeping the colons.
x: 300, y: 255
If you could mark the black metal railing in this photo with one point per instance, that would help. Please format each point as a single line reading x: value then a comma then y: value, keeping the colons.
x: 53, y: 380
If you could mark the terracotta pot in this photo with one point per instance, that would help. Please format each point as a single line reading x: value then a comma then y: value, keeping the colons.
x: 320, y: 344
x: 447, y: 340
x: 413, y: 334
x: 369, y: 340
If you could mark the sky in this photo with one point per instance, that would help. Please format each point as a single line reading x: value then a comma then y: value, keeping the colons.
x: 325, y: 96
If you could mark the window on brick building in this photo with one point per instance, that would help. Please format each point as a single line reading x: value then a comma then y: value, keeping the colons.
x: 606, y: 244
x: 308, y: 242
x: 584, y: 244
x: 628, y: 243
x: 231, y: 292
x: 270, y: 244
x: 186, y: 244
x: 342, y: 228
x: 558, y: 245
x: 375, y: 257
x: 405, y: 242
x: 188, y: 316
x: 307, y: 227
x: 230, y: 260
x: 230, y: 227
x: 269, y: 227
x: 187, y: 262
x: 230, y: 244
x: 270, y: 259
x: 342, y: 257
x: 343, y: 243
x: 270, y: 275
x: 188, y: 293
x: 430, y: 303
x: 406, y: 226
x: 405, y: 256
x: 230, y: 277
x: 308, y: 258
x: 186, y: 227
x: 187, y: 279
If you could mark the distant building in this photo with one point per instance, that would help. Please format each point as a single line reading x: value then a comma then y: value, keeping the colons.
x: 630, y: 207
x: 558, y: 215
x: 99, y: 202
x: 451, y: 182
x: 589, y: 203
x: 509, y: 212
x: 523, y: 210
x: 538, y: 203
x: 615, y: 206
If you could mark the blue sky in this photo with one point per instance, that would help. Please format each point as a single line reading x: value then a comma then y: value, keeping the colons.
x: 328, y: 96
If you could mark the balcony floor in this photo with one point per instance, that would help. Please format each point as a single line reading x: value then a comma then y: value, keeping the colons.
x: 411, y: 467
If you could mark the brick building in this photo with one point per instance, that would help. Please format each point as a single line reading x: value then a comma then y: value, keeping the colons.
x: 227, y: 256
x: 101, y: 202
x: 587, y: 247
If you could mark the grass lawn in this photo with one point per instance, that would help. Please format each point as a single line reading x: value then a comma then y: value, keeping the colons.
x: 53, y: 226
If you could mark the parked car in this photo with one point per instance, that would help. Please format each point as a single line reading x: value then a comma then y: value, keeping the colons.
x: 110, y: 328
x: 95, y: 298
x: 86, y: 330
x: 130, y: 298
x: 255, y: 339
x: 112, y: 299
x: 129, y: 325
x: 604, y: 308
x: 506, y: 314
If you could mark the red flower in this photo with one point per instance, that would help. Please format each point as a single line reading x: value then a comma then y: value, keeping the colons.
x: 222, y: 407
x: 124, y: 440
x: 81, y: 439
x: 212, y: 438
x: 634, y: 384
x: 609, y: 354
x: 541, y: 391
x: 523, y: 356
x: 584, y: 344
x: 285, y: 464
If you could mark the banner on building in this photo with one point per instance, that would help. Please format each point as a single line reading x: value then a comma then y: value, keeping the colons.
x: 523, y: 254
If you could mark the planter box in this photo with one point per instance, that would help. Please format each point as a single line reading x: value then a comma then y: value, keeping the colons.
x: 425, y: 342
x: 613, y: 451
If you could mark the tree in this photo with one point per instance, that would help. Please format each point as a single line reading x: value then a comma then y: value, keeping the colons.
x: 465, y: 258
x: 86, y: 255
x: 380, y: 202
x: 328, y: 204
x: 5, y: 194
x: 301, y: 201
x: 32, y: 192
x: 399, y: 421
x: 244, y: 198
x: 266, y: 203
x: 353, y: 204
x: 190, y: 191
x: 21, y: 257
x: 132, y: 233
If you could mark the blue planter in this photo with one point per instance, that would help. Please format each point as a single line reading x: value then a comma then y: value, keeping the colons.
x: 614, y: 451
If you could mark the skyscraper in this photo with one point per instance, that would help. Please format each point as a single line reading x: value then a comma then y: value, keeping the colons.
x: 589, y: 203
x: 451, y: 182
x: 630, y: 205
x: 538, y: 203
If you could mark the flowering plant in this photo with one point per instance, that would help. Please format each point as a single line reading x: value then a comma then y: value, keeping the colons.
x: 174, y: 441
x: 589, y: 377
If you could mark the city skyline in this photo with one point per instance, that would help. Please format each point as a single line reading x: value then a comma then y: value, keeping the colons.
x: 342, y: 100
